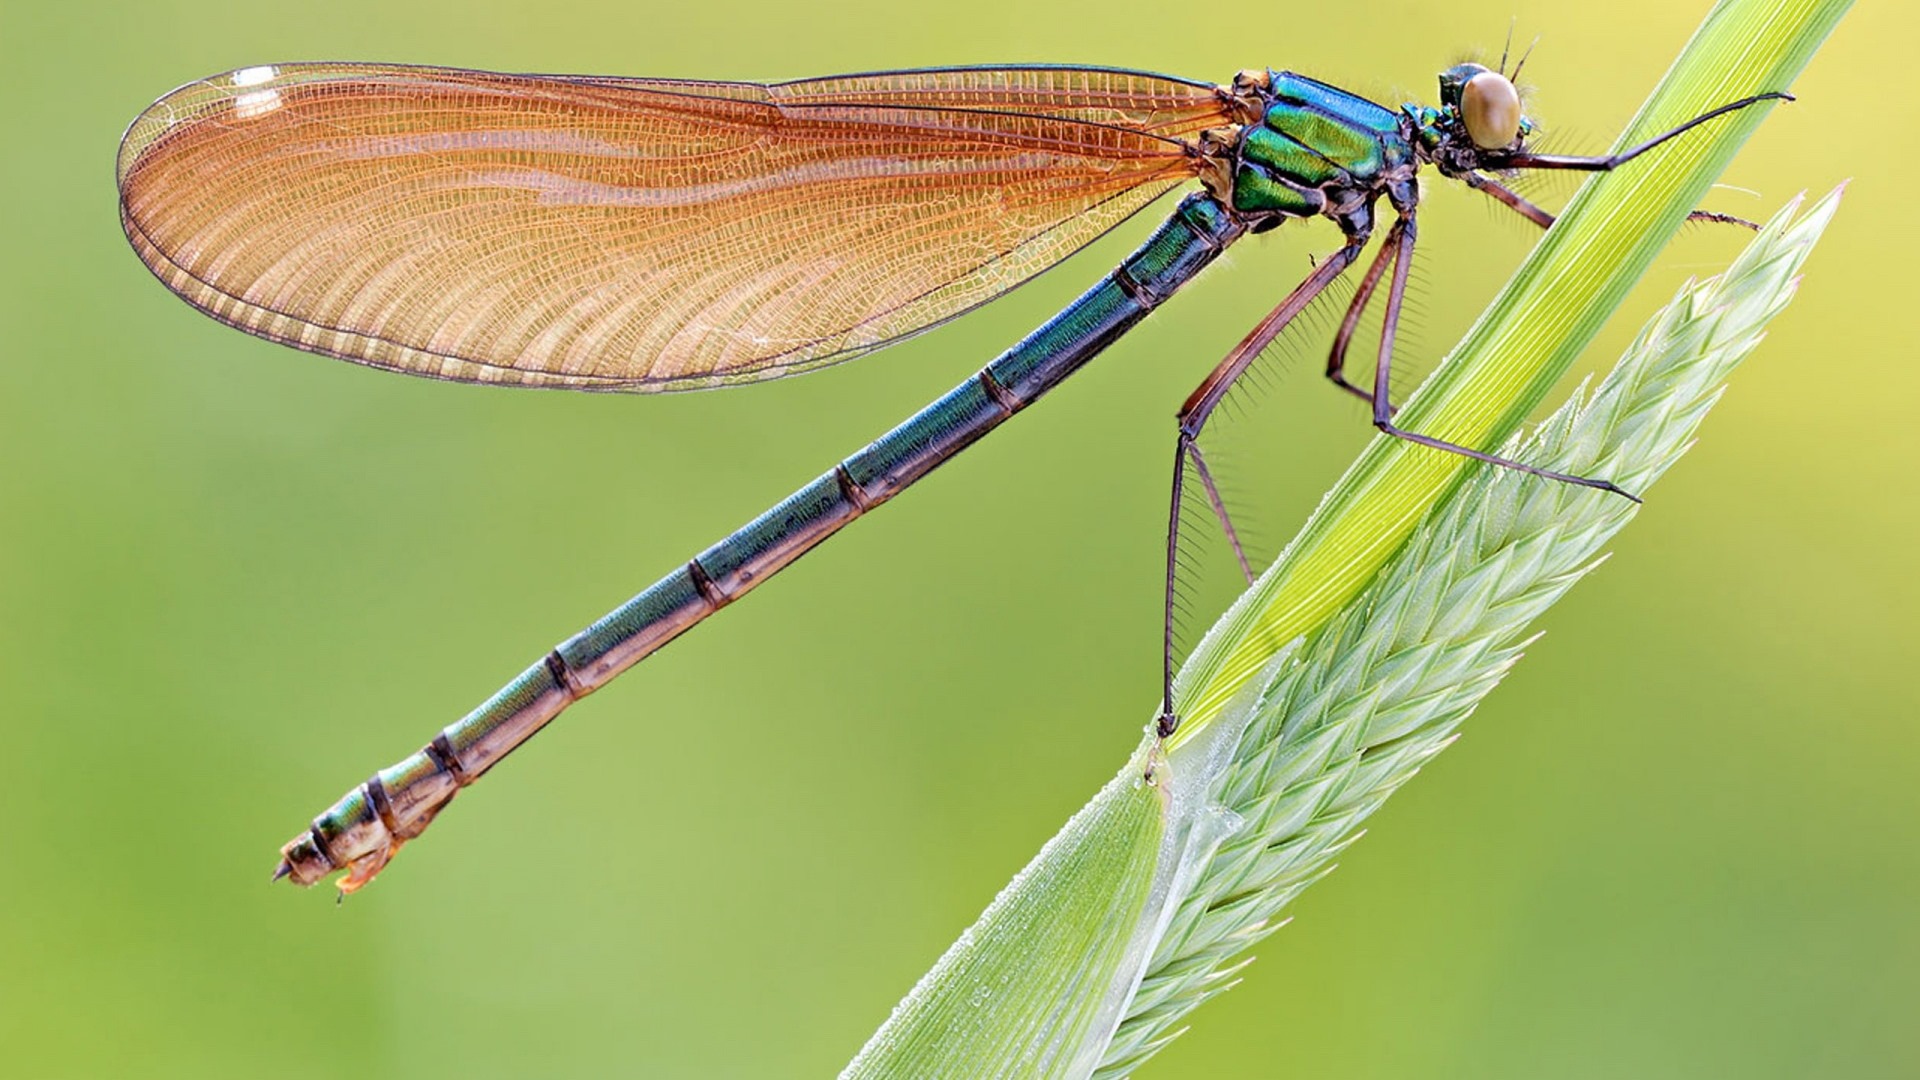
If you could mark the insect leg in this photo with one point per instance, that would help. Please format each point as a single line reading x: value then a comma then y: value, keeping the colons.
x: 1193, y: 417
x: 1337, y: 356
x: 1526, y: 208
x: 1220, y: 509
x: 1503, y: 194
x: 1382, y: 411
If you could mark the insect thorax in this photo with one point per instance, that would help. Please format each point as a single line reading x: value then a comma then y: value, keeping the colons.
x: 1311, y: 150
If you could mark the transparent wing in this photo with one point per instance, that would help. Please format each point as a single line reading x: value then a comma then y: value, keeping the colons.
x: 630, y: 234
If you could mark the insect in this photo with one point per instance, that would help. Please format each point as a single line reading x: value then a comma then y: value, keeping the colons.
x: 617, y: 234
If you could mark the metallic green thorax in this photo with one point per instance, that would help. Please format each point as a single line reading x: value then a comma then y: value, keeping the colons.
x: 1319, y: 150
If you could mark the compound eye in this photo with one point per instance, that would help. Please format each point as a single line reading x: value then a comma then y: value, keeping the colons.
x: 1490, y: 106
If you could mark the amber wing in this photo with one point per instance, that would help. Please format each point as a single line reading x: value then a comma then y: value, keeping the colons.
x: 630, y: 234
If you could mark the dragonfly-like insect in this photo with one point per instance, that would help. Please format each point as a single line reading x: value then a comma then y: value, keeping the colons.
x: 622, y: 234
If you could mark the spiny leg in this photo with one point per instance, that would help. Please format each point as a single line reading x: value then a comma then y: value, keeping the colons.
x: 1501, y: 193
x: 1220, y: 509
x: 1527, y: 209
x: 1337, y: 356
x: 1193, y: 417
x: 1383, y: 369
x: 1717, y: 218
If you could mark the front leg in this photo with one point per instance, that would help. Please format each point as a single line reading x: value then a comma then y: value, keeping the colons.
x: 1532, y: 212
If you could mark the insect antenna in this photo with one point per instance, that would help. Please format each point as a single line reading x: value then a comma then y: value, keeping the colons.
x: 1515, y: 77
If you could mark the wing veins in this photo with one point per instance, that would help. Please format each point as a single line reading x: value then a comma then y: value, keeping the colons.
x: 755, y: 111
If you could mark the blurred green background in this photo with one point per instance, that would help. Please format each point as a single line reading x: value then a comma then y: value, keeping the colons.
x: 234, y: 579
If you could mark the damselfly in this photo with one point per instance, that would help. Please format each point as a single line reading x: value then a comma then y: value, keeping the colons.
x: 617, y: 234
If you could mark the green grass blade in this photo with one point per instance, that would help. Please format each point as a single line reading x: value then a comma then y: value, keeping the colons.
x: 1525, y: 341
x: 1027, y: 991
x: 1380, y: 689
x: 1037, y: 986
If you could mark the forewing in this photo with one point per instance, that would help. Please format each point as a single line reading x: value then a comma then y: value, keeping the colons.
x: 627, y: 234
